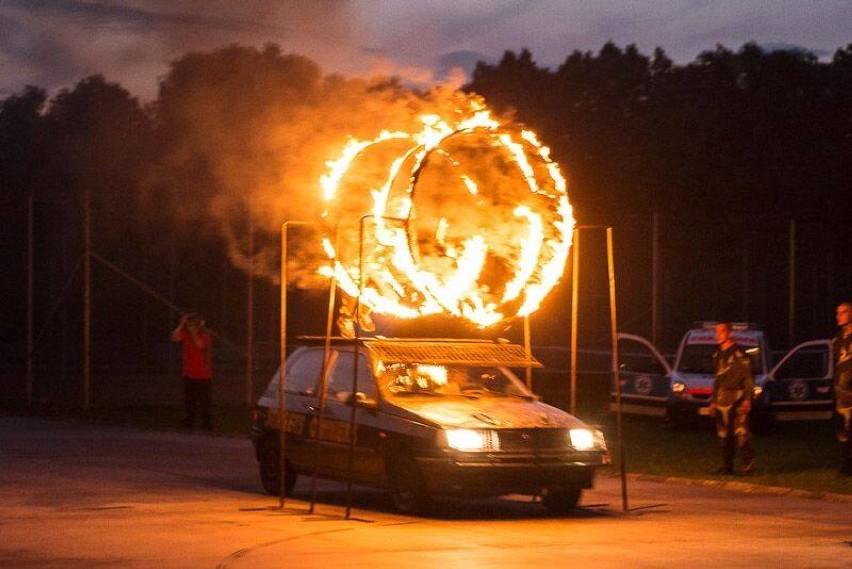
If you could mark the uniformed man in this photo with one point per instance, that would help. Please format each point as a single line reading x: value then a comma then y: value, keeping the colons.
x: 842, y: 344
x: 733, y: 390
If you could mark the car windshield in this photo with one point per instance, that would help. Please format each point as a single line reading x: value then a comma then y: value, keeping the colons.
x: 439, y: 381
x: 698, y: 358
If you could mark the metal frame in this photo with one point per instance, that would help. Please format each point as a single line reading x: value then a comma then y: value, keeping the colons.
x: 575, y: 286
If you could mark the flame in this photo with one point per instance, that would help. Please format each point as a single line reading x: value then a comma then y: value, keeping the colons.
x: 498, y: 206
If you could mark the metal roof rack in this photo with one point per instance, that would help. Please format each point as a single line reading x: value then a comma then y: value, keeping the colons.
x: 450, y: 352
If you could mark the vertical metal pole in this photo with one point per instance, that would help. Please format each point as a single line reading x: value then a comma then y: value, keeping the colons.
x: 614, y: 331
x: 332, y: 288
x: 30, y: 296
x: 356, y: 342
x: 87, y: 298
x: 250, y: 317
x: 655, y: 278
x: 282, y: 372
x: 745, y: 284
x: 528, y: 351
x: 575, y: 291
x: 791, y: 309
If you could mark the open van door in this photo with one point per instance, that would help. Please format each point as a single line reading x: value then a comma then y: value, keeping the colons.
x: 645, y: 377
x: 799, y: 388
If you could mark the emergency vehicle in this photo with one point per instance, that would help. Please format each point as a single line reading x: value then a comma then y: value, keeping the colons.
x: 799, y: 387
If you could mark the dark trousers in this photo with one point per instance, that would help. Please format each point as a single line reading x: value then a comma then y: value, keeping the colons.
x: 197, y: 394
x: 732, y: 429
x: 843, y: 418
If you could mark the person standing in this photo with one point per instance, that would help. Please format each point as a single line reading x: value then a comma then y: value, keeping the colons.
x: 197, y: 370
x: 733, y: 391
x: 842, y: 347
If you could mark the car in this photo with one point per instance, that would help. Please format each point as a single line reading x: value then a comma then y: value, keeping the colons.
x: 429, y: 418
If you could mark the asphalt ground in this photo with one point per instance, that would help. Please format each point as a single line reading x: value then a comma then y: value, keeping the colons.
x: 75, y: 495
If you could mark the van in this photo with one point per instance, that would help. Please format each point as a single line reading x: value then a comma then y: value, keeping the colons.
x: 423, y: 418
x: 798, y: 388
x: 693, y: 375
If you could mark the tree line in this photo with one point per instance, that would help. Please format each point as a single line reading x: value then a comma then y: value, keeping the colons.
x: 724, y: 145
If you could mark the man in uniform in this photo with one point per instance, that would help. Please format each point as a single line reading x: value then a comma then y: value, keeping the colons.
x: 733, y: 390
x: 842, y: 345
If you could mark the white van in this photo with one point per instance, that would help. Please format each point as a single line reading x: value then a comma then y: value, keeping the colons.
x: 799, y: 387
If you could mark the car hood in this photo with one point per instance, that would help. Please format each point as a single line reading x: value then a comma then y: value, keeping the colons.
x: 485, y: 412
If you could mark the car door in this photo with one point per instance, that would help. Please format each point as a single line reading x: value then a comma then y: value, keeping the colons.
x: 338, y: 409
x: 800, y: 386
x: 302, y: 400
x: 644, y: 375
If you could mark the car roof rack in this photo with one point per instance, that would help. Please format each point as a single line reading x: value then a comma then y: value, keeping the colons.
x: 439, y: 351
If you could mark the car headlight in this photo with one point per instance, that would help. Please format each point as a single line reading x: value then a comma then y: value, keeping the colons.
x: 471, y: 440
x: 679, y: 388
x: 582, y: 439
x: 757, y: 391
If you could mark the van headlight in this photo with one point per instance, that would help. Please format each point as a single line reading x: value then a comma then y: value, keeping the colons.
x: 471, y: 440
x: 583, y: 439
x: 679, y: 388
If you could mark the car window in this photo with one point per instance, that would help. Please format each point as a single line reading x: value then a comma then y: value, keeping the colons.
x: 439, y: 380
x: 303, y: 372
x: 805, y: 363
x: 340, y: 380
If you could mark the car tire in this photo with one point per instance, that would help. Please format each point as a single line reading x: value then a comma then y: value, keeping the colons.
x: 561, y: 500
x: 408, y: 489
x: 674, y: 421
x: 762, y: 422
x: 269, y: 465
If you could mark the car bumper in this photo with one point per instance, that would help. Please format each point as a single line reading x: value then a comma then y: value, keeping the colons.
x: 492, y: 475
x: 639, y: 405
x: 686, y: 409
x: 802, y: 410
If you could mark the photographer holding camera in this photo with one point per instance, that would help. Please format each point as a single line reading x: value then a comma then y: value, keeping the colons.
x: 197, y: 375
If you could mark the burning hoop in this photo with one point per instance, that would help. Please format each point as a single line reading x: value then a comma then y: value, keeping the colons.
x: 487, y: 223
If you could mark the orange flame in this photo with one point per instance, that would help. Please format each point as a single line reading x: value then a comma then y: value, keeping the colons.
x: 409, y: 270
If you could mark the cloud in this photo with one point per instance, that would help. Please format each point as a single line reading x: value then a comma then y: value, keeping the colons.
x: 53, y: 43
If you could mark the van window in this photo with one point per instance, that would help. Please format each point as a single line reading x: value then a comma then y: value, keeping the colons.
x: 635, y: 357
x: 340, y: 381
x: 698, y: 358
x: 805, y: 363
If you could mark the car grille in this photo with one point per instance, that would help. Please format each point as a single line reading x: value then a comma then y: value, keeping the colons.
x: 533, y: 439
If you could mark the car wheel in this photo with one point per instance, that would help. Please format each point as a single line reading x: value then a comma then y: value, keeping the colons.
x: 269, y: 464
x: 762, y: 422
x: 674, y: 422
x: 407, y: 487
x: 561, y: 500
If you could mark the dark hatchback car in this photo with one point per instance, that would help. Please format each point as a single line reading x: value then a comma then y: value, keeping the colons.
x: 430, y: 418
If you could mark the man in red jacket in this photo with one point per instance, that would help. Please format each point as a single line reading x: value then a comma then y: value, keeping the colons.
x: 197, y: 376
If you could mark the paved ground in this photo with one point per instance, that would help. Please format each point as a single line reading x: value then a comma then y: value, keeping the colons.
x: 79, y: 496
